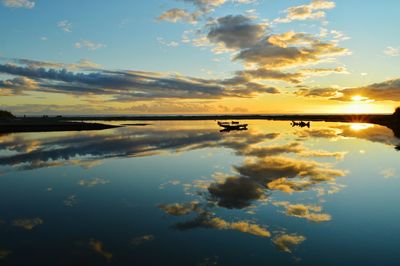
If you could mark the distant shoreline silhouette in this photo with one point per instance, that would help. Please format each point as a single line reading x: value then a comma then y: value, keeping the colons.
x: 58, y: 123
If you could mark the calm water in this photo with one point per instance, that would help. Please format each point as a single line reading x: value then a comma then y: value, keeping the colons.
x: 183, y: 193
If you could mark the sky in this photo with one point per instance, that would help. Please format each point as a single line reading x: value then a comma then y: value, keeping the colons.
x: 199, y: 56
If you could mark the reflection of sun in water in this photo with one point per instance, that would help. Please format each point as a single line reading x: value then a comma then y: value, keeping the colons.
x: 360, y: 126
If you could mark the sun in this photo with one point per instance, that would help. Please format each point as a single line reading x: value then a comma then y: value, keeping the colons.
x: 357, y: 98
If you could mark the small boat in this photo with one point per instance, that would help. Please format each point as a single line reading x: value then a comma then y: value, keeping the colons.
x: 233, y: 125
x: 300, y: 124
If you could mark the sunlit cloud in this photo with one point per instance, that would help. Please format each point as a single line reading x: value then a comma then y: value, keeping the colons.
x: 314, y: 10
x: 127, y: 85
x: 176, y: 14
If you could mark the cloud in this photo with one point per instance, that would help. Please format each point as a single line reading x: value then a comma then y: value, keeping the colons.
x: 17, y: 86
x: 288, y: 50
x: 318, y: 92
x: 65, y: 25
x: 19, y: 3
x: 286, y: 242
x: 391, y: 51
x: 235, y: 32
x: 90, y: 45
x: 305, y: 12
x: 177, y: 14
x: 382, y: 91
x: 126, y: 85
x: 268, y: 74
x: 167, y: 43
x: 27, y: 224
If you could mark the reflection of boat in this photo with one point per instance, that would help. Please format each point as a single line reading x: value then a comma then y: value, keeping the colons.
x: 232, y: 125
x: 300, y: 124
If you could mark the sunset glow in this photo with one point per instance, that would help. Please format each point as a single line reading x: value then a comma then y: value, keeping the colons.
x: 198, y: 57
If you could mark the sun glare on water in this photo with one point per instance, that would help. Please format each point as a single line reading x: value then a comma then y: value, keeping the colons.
x: 360, y: 126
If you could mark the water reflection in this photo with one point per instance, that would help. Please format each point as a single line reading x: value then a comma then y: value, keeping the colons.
x: 147, y: 185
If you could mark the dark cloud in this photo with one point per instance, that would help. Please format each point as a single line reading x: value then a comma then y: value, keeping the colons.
x: 319, y: 92
x: 384, y: 91
x: 287, y: 50
x: 121, y: 85
x: 255, y: 175
x: 236, y: 32
x: 236, y: 192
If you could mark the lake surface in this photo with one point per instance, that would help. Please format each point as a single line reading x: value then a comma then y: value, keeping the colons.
x: 183, y: 193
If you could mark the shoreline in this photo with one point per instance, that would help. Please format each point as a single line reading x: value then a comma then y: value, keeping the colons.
x: 47, y: 125
x: 60, y: 123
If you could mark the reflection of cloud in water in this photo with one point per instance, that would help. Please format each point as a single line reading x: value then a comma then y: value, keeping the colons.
x: 27, y: 224
x: 236, y: 192
x: 255, y: 176
x: 209, y: 261
x: 4, y: 253
x: 93, y: 182
x: 137, y: 241
x: 388, y: 173
x: 98, y: 247
x: 206, y: 219
x: 71, y: 201
x: 87, y: 147
x: 286, y: 242
x: 308, y: 212
x: 179, y: 209
x: 370, y: 132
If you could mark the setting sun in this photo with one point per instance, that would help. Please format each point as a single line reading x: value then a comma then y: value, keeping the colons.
x: 357, y: 98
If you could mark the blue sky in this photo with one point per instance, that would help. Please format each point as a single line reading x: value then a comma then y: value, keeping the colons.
x: 129, y: 36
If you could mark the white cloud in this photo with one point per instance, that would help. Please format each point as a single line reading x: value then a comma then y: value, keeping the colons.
x: 65, y: 25
x: 90, y: 45
x: 392, y: 51
x: 19, y: 3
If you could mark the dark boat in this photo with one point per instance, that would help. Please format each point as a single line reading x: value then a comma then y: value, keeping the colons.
x: 300, y: 124
x: 233, y: 125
